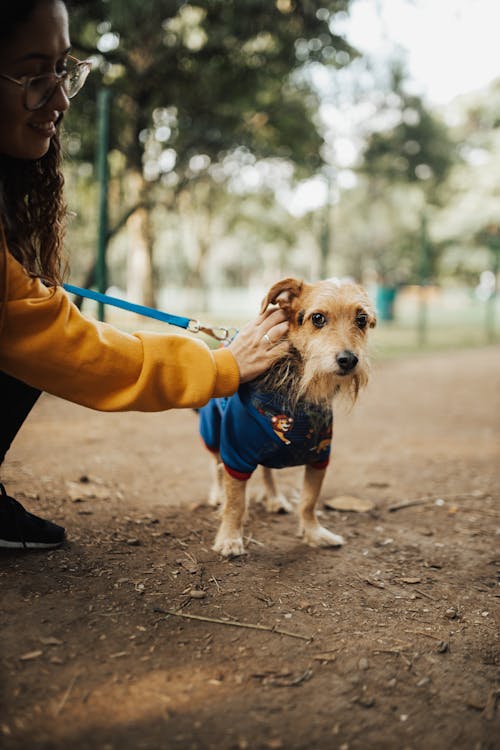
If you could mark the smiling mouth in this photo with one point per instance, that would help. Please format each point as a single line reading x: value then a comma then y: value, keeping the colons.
x: 44, y: 128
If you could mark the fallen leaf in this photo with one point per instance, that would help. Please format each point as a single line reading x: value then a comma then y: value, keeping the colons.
x: 51, y: 641
x: 31, y: 655
x: 348, y: 503
x: 197, y: 594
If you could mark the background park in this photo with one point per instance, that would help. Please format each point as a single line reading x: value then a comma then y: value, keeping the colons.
x: 215, y: 148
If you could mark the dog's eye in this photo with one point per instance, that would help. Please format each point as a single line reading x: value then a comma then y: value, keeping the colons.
x: 361, y: 320
x: 318, y: 320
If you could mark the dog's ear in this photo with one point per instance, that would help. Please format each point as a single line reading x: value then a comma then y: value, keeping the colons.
x: 282, y: 293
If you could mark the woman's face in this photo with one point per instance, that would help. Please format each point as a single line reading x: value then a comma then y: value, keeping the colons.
x: 40, y: 45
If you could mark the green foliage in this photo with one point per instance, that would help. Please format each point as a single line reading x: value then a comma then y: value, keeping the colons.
x: 416, y: 148
x: 204, y: 78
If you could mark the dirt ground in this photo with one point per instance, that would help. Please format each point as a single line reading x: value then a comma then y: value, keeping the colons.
x: 389, y: 642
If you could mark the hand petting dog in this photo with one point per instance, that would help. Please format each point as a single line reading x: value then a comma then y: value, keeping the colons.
x: 257, y: 348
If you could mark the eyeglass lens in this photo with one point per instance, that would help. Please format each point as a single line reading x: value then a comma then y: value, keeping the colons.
x: 41, y: 88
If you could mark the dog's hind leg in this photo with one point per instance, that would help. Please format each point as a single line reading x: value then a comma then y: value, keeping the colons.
x: 216, y: 492
x: 310, y: 529
x: 274, y: 500
x: 229, y: 539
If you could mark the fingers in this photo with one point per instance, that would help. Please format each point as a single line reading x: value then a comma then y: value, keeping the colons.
x: 260, y: 344
x: 272, y: 326
x: 276, y: 352
x: 263, y: 359
x: 274, y: 335
x: 270, y: 318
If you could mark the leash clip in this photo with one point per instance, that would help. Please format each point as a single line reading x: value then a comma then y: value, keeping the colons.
x: 220, y: 333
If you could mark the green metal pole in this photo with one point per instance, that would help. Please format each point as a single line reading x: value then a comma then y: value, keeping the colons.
x: 103, y: 107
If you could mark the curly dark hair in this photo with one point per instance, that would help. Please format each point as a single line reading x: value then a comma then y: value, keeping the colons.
x: 32, y: 206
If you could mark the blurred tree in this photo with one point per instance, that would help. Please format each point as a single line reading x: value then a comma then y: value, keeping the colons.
x: 405, y: 162
x: 416, y: 149
x: 473, y: 188
x: 193, y: 83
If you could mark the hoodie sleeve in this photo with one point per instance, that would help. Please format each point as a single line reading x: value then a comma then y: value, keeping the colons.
x: 46, y: 342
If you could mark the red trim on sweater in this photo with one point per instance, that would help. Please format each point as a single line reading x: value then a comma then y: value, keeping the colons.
x: 241, y: 475
x: 320, y: 464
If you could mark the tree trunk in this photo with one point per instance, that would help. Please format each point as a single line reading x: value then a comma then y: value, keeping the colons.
x: 140, y: 282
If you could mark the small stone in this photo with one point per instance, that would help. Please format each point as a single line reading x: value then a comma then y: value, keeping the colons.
x: 363, y: 663
x: 424, y: 681
x: 366, y: 701
x: 133, y: 542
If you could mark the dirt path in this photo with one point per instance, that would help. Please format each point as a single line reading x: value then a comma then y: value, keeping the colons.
x: 399, y: 645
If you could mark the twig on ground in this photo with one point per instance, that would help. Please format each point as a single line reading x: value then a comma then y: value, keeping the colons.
x: 491, y: 704
x: 235, y: 623
x: 66, y: 695
x: 422, y: 632
x: 370, y: 582
x: 422, y: 593
x: 214, y: 579
x: 409, y: 504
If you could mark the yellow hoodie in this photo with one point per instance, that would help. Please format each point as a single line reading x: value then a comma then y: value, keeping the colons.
x: 46, y: 342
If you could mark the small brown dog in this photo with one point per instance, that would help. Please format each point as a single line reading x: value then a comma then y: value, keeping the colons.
x: 284, y: 418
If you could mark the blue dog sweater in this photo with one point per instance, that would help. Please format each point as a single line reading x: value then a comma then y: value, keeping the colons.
x: 253, y: 428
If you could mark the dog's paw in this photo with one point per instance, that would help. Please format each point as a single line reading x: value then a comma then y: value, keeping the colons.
x: 318, y: 536
x: 277, y: 504
x: 228, y: 546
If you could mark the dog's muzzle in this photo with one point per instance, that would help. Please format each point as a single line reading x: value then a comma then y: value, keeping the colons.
x: 346, y: 361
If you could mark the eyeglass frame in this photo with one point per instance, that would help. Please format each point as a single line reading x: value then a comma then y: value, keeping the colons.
x: 58, y: 79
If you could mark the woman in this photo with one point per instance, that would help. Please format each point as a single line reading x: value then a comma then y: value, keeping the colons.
x: 45, y: 344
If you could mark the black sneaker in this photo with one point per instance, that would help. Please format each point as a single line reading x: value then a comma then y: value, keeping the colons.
x: 20, y: 529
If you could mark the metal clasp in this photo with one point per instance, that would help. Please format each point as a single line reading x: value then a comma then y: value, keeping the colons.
x: 220, y: 333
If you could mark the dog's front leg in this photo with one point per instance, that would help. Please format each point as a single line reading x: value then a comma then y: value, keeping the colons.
x: 229, y: 539
x: 309, y: 527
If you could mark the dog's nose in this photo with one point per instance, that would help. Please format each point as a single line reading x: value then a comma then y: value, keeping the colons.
x: 347, y: 361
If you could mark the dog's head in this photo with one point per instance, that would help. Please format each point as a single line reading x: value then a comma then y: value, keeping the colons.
x: 328, y: 323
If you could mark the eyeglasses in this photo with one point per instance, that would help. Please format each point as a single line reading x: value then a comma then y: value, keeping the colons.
x: 39, y: 89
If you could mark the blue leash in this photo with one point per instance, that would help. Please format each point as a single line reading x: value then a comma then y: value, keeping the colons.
x: 220, y: 333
